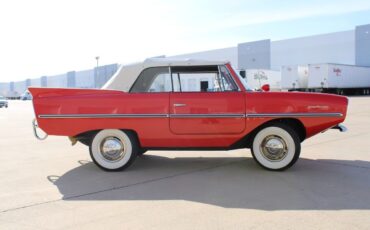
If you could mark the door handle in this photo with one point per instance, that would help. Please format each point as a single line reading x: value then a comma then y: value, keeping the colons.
x: 179, y: 105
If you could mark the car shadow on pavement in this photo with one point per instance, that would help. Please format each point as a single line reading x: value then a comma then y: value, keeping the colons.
x: 235, y: 182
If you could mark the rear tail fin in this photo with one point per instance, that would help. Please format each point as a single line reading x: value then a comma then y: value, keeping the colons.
x: 38, y: 92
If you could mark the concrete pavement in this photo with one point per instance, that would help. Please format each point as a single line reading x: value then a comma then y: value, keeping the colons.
x: 52, y: 185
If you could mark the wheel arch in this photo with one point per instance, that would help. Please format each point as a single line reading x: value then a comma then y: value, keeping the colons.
x: 86, y: 137
x: 293, y: 123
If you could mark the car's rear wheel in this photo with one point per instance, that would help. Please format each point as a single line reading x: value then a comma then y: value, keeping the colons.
x: 113, y: 149
x: 276, y: 147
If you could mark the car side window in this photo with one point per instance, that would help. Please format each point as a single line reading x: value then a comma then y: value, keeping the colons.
x: 156, y: 79
x: 202, y: 79
x: 195, y: 82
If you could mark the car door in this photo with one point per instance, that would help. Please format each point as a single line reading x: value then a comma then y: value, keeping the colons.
x: 195, y: 109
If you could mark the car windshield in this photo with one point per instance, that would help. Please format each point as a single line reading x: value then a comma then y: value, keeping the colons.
x: 2, y: 98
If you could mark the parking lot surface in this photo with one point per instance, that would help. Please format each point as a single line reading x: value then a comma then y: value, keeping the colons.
x: 53, y: 185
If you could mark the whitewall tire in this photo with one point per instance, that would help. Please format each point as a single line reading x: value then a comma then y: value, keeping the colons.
x: 113, y: 149
x: 276, y: 147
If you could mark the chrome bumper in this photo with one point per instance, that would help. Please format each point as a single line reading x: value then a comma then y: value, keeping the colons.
x: 340, y: 127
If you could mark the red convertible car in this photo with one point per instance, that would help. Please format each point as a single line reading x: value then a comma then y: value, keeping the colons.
x: 164, y: 104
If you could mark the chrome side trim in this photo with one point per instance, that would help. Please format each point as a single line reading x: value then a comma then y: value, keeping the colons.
x: 142, y: 116
x: 62, y: 116
x: 259, y: 115
x: 248, y: 115
x: 207, y: 115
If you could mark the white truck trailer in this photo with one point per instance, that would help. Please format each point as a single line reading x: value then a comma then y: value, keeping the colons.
x: 338, y: 78
x: 294, y: 77
x: 256, y: 78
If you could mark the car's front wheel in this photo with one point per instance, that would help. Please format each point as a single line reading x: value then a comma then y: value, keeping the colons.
x: 113, y: 149
x: 276, y: 147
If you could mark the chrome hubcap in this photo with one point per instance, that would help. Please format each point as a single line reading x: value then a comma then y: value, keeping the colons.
x: 112, y: 149
x: 274, y: 148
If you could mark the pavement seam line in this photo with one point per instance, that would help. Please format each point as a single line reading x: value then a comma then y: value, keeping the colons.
x: 334, y: 140
x: 123, y: 187
x: 317, y: 161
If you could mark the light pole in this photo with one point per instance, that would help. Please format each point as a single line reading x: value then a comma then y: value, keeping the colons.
x: 97, y: 62
x: 97, y: 69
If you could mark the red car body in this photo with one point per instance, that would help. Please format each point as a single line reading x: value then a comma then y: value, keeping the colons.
x: 221, y: 120
x: 166, y: 131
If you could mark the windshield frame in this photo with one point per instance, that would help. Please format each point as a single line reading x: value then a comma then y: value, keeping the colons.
x: 244, y: 82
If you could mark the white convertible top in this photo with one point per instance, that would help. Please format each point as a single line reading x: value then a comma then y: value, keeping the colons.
x: 126, y: 75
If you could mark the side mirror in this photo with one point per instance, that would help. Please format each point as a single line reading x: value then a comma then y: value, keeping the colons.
x: 265, y: 88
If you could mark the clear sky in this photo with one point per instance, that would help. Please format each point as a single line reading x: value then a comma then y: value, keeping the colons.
x: 43, y: 37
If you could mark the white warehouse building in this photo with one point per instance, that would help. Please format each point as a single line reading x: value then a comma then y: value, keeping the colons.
x: 258, y: 58
x: 350, y: 47
x: 267, y: 61
x: 91, y: 78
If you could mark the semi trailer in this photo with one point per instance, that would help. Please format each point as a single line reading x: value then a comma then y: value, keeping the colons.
x: 294, y: 77
x: 256, y: 78
x: 339, y: 79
